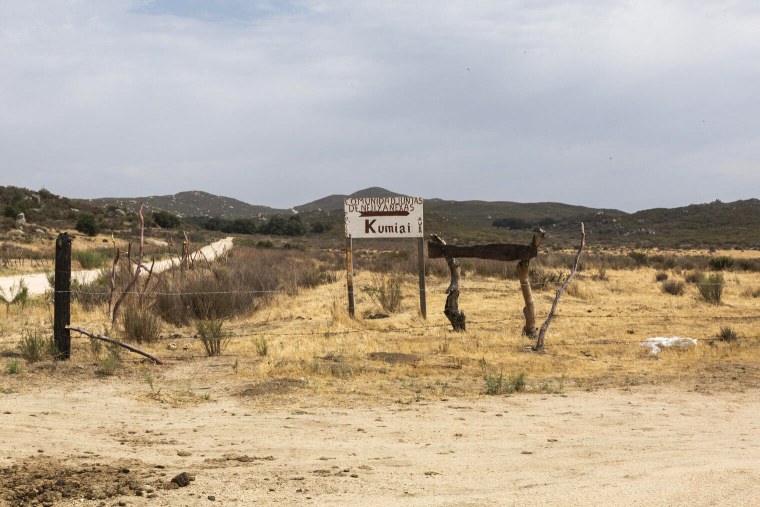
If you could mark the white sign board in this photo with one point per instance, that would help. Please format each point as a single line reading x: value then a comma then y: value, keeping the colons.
x: 383, y: 217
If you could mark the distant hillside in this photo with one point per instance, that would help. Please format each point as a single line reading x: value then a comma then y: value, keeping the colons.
x: 335, y: 202
x: 39, y: 207
x: 192, y: 204
x: 716, y: 223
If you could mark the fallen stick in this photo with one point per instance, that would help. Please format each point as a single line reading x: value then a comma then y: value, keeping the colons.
x: 116, y: 342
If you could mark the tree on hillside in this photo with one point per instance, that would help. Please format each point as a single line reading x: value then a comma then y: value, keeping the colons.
x: 86, y: 224
x: 166, y: 220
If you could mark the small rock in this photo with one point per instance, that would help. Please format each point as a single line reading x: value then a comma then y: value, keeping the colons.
x: 211, y: 497
x: 182, y: 479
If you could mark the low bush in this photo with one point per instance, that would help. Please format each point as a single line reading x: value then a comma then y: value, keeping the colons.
x: 94, y: 294
x: 13, y: 367
x: 212, y: 336
x: 499, y: 384
x: 91, y: 259
x: 141, y: 324
x: 727, y: 334
x: 541, y: 279
x: 751, y: 293
x: 246, y: 280
x: 108, y: 365
x: 262, y: 346
x: 385, y: 291
x: 35, y: 346
x: 721, y: 263
x: 693, y: 276
x: 711, y: 288
x: 674, y: 287
x: 661, y: 276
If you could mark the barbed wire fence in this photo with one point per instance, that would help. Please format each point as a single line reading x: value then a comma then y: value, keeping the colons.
x: 62, y: 294
x: 321, y: 328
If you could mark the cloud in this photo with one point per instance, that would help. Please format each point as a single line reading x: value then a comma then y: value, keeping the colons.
x: 283, y: 102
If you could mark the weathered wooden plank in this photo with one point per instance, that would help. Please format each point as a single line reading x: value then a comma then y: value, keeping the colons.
x: 496, y: 251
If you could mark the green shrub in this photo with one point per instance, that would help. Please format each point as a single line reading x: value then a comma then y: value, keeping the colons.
x: 212, y: 336
x: 87, y: 224
x: 108, y: 365
x: 35, y: 346
x: 498, y: 384
x: 140, y: 324
x: 13, y: 367
x: 262, y: 346
x: 91, y: 259
x: 721, y: 263
x: 166, y: 220
x: 674, y: 287
x: 711, y: 288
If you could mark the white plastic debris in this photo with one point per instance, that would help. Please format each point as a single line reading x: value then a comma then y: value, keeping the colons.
x: 655, y: 345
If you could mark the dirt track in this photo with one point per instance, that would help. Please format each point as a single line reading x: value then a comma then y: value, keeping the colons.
x: 109, y: 441
x: 38, y: 283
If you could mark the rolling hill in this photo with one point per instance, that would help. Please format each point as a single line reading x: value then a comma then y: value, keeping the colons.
x: 192, y: 204
x: 713, y: 224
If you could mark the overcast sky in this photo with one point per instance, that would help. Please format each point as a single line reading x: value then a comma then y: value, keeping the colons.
x: 627, y: 105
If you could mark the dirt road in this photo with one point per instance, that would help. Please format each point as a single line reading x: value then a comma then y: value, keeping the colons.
x: 103, y: 441
x: 38, y: 283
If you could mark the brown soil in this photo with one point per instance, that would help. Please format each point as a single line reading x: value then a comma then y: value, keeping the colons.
x: 73, y: 439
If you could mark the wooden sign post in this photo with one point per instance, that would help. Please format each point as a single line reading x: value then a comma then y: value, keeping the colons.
x: 384, y: 217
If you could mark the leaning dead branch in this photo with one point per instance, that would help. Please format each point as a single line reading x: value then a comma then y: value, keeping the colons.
x: 116, y: 342
x: 539, y: 347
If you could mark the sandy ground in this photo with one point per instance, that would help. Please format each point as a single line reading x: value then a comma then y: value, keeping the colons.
x: 108, y: 440
x: 38, y: 283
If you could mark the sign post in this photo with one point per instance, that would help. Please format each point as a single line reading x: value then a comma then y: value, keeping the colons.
x: 384, y: 217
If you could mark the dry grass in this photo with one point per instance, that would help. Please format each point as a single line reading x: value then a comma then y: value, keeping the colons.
x: 592, y: 343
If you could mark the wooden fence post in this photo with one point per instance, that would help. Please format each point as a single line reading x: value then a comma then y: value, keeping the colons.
x: 421, y: 263
x: 62, y: 296
x: 350, y: 275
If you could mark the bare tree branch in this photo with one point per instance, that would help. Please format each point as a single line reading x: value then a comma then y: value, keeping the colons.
x: 539, y: 347
x: 136, y: 274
